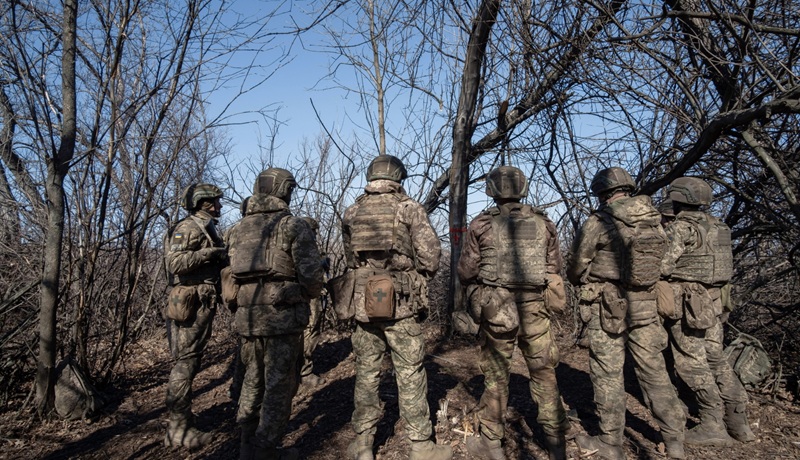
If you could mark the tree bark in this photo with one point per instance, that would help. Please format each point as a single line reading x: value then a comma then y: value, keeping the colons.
x: 57, y: 168
x: 462, y: 133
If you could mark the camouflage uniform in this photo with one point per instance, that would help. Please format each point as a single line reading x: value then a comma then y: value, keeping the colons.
x: 698, y: 348
x: 532, y: 331
x: 595, y: 266
x: 194, y: 259
x: 273, y: 311
x: 402, y: 335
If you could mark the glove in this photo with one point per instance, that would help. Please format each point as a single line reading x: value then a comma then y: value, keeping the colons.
x: 213, y: 254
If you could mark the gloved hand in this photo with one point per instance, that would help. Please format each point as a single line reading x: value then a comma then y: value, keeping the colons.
x: 213, y: 254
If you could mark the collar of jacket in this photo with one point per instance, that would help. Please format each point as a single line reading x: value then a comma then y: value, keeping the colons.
x: 384, y: 186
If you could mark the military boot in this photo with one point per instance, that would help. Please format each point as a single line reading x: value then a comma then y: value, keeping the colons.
x: 246, y: 447
x: 482, y: 447
x: 594, y: 443
x: 674, y: 448
x: 361, y: 447
x: 180, y: 433
x: 556, y: 446
x: 429, y: 450
x: 710, y: 432
x: 737, y: 424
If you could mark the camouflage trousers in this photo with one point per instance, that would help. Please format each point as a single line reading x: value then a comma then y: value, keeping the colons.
x: 730, y: 387
x: 689, y: 351
x: 187, y: 341
x: 403, y: 338
x: 311, y: 336
x: 272, y: 374
x: 606, y: 360
x: 535, y: 340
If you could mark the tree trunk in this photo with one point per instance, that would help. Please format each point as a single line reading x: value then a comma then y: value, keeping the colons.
x: 462, y: 133
x: 57, y: 168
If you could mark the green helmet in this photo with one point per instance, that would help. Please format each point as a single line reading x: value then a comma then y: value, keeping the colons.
x: 195, y: 193
x: 666, y: 208
x: 506, y: 182
x: 690, y: 190
x: 277, y: 182
x: 386, y: 167
x: 611, y: 179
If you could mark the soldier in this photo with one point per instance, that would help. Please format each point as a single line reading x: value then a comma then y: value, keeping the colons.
x: 391, y: 247
x: 312, y: 331
x: 508, y: 253
x: 615, y: 260
x: 699, y: 260
x: 274, y: 260
x: 235, y: 390
x: 194, y: 257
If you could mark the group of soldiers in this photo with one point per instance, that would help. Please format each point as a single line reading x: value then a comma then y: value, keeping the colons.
x: 647, y: 280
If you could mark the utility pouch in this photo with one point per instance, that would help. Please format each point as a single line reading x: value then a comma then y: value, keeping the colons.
x: 379, y: 297
x: 698, y: 306
x: 229, y: 288
x: 182, y: 303
x: 665, y: 299
x: 613, y: 310
x: 555, y: 296
x: 342, y: 289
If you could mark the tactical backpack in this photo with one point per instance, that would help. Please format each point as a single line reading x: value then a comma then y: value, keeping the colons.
x: 75, y: 396
x: 749, y: 360
x: 643, y: 241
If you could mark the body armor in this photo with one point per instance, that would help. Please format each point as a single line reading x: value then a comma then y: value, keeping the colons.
x: 376, y: 226
x: 712, y: 261
x: 638, y: 243
x: 518, y: 256
x: 260, y: 251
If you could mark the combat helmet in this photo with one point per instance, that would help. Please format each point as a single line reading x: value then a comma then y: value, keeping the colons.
x: 386, y: 167
x: 506, y: 182
x: 195, y: 193
x: 665, y: 208
x: 610, y: 179
x: 690, y: 190
x: 277, y: 182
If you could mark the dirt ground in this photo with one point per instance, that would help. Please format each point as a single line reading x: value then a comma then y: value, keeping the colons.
x: 132, y: 425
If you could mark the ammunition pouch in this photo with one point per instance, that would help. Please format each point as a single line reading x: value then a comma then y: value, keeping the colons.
x: 669, y: 299
x: 229, y: 288
x: 698, y: 306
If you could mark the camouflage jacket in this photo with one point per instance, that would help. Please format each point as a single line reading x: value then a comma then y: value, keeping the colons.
x: 479, y: 235
x: 267, y: 307
x: 190, y: 256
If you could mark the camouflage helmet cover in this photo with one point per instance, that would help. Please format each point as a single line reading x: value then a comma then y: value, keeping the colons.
x: 506, y: 182
x: 195, y: 193
x: 690, y: 190
x: 386, y: 167
x: 277, y: 182
x: 610, y: 179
